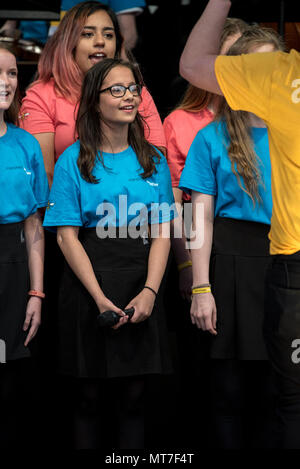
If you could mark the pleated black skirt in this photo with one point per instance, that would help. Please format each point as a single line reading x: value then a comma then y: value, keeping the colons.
x: 14, y: 286
x: 85, y: 350
x: 240, y: 257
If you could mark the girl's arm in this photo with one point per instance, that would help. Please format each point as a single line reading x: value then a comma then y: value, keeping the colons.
x: 197, y: 63
x: 46, y: 141
x: 34, y: 236
x: 180, y: 250
x: 78, y: 260
x: 159, y: 251
x: 203, y: 309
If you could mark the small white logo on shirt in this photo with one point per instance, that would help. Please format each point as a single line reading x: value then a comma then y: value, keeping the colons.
x: 27, y: 172
x: 154, y: 184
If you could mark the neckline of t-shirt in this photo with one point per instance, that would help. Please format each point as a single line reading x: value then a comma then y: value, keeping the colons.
x: 121, y: 154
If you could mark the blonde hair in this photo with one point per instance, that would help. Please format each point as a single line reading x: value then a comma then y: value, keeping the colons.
x: 195, y: 99
x: 244, y: 161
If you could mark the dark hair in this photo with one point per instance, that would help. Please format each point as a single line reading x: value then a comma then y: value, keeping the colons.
x: 57, y: 60
x: 88, y: 123
x: 11, y: 114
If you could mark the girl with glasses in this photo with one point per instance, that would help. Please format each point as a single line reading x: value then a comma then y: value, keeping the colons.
x: 111, y: 265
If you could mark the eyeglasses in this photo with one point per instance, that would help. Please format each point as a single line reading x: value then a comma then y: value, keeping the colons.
x: 118, y: 91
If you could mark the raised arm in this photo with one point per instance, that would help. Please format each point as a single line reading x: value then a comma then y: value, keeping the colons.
x: 197, y: 63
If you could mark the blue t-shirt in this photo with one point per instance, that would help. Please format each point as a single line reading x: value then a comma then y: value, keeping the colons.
x: 116, y: 5
x: 120, y: 198
x: 23, y: 181
x: 208, y: 170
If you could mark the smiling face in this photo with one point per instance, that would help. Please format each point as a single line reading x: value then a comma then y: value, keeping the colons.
x: 97, y: 41
x: 120, y: 111
x: 8, y: 79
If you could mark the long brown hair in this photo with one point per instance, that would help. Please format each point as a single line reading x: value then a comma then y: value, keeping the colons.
x: 10, y: 115
x: 244, y: 161
x: 195, y: 99
x: 89, y: 128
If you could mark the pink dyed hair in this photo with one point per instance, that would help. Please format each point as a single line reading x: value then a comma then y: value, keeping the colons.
x: 57, y: 60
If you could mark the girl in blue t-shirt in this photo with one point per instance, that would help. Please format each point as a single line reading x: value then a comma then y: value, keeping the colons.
x: 108, y: 188
x: 228, y: 172
x: 23, y: 190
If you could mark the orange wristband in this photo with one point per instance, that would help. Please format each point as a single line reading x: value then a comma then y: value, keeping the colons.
x: 37, y: 293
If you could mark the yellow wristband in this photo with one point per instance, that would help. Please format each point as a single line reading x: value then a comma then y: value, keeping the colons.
x: 184, y: 265
x: 196, y: 291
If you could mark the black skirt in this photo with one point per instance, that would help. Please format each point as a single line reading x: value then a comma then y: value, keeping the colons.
x: 14, y: 286
x: 85, y: 350
x: 240, y: 257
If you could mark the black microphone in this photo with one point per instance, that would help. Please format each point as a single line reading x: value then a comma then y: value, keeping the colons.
x: 111, y: 318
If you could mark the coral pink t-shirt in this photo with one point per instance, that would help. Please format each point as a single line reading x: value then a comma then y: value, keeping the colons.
x: 181, y: 127
x: 44, y: 111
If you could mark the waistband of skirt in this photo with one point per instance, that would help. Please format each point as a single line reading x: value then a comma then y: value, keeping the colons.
x: 240, y: 237
x: 11, y: 229
x: 12, y: 243
x: 115, y: 252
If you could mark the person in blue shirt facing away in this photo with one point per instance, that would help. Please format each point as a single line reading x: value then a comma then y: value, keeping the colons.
x: 23, y: 190
x: 109, y: 189
x: 228, y: 171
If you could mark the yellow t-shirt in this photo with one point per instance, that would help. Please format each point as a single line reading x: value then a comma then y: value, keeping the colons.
x: 268, y: 84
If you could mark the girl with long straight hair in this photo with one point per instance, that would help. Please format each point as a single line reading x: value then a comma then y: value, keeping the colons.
x: 88, y: 33
x: 105, y: 190
x: 228, y: 172
x: 196, y: 109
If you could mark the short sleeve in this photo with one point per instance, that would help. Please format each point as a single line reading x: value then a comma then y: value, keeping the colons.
x: 64, y: 208
x: 246, y: 81
x: 176, y: 160
x: 40, y: 185
x: 198, y: 174
x: 36, y: 115
x: 165, y: 210
x: 154, y: 131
